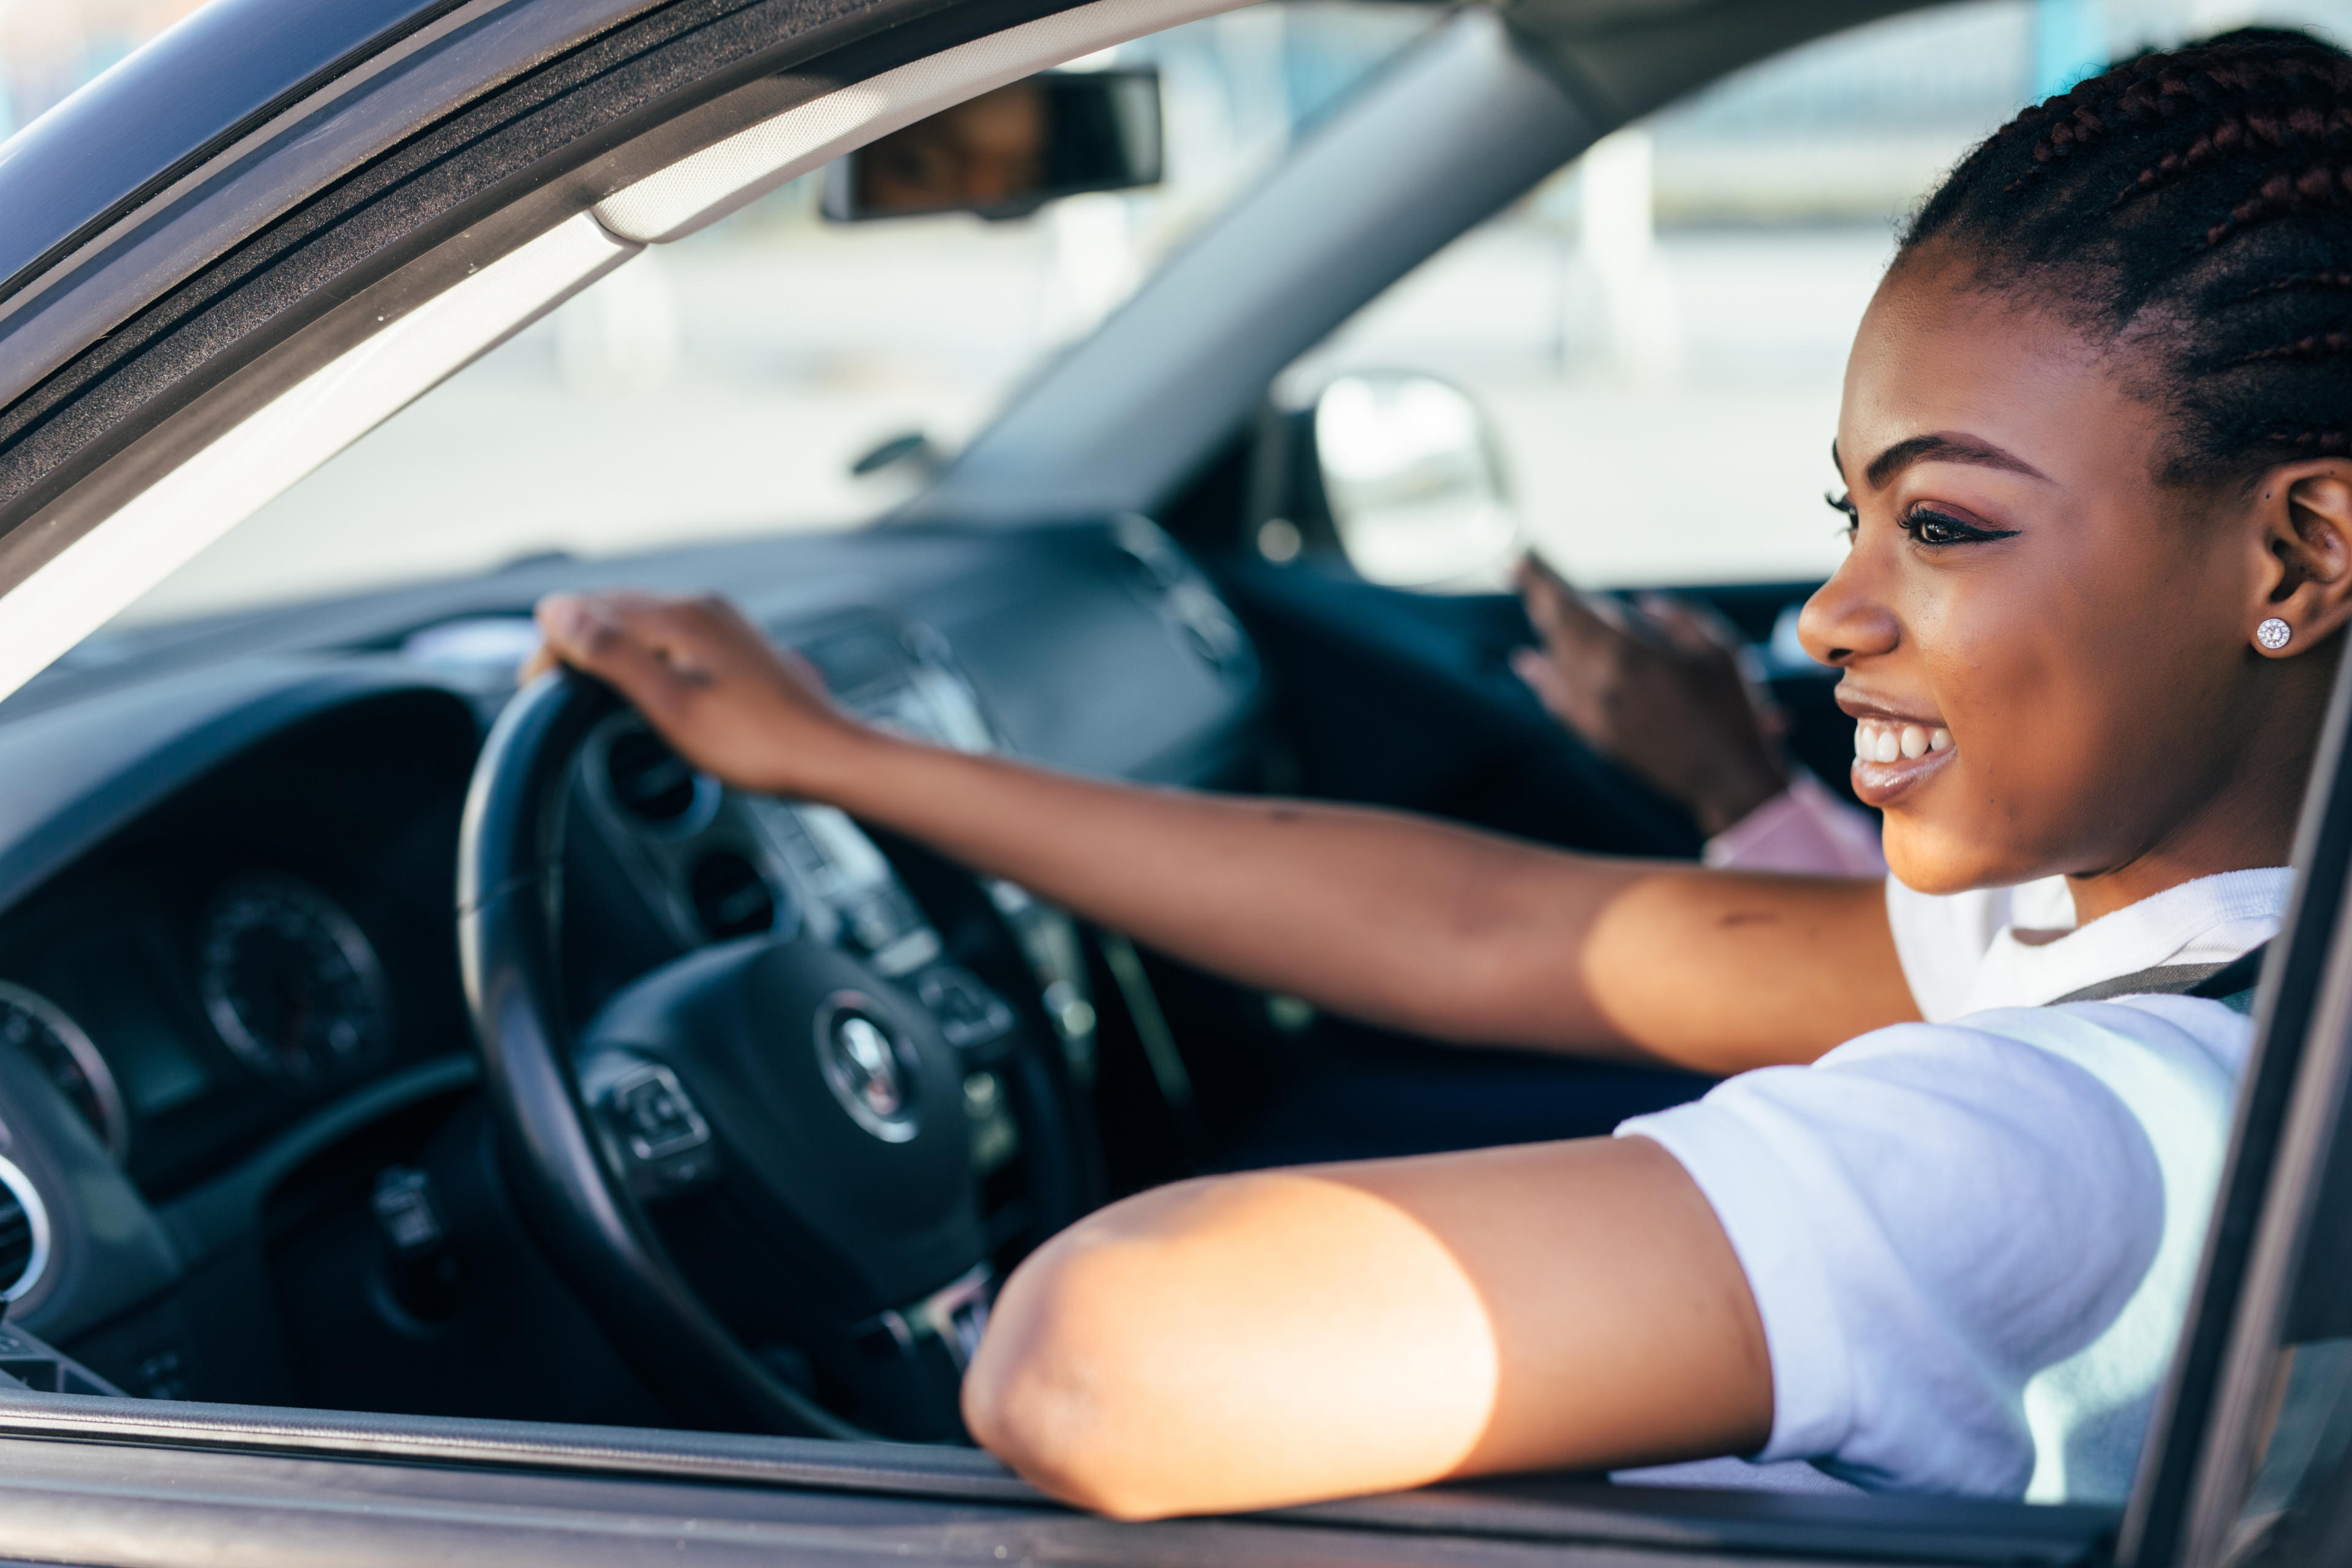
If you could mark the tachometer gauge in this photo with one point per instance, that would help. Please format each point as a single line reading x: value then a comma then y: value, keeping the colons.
x: 37, y: 1026
x: 289, y: 981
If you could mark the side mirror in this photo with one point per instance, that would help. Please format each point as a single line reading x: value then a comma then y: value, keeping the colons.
x: 1008, y: 152
x: 1413, y: 480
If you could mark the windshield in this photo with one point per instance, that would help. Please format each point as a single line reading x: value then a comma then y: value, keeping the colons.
x: 754, y: 376
x: 1680, y: 299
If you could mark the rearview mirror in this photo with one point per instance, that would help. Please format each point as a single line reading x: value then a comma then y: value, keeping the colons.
x: 1413, y: 481
x: 1008, y: 152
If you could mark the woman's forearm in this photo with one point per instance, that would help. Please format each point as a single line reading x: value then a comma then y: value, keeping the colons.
x: 1393, y: 919
x: 1417, y: 924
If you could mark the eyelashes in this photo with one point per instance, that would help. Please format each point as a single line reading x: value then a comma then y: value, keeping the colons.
x: 1924, y: 523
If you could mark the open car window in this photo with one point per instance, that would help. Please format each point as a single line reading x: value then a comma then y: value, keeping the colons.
x: 736, y: 383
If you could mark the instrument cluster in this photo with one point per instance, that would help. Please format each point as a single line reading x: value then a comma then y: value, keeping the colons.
x: 289, y: 981
x: 178, y: 1015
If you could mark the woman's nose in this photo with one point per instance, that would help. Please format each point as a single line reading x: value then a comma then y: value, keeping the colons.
x: 1846, y: 619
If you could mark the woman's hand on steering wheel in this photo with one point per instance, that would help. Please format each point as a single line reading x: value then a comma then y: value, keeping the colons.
x: 725, y: 697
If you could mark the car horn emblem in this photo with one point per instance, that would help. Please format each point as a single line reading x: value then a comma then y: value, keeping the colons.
x: 867, y: 1066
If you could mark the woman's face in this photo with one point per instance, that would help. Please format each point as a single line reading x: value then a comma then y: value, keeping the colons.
x: 2047, y: 651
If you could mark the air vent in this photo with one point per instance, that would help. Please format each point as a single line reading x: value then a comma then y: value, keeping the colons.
x: 16, y: 1241
x: 24, y: 1234
x: 730, y: 897
x: 652, y: 782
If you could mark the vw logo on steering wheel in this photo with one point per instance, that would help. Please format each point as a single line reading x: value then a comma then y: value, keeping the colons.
x: 867, y: 1065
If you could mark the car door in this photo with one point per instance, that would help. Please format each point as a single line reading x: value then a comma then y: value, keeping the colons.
x: 185, y: 340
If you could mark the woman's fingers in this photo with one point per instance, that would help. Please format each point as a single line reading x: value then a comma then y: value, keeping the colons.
x: 1656, y: 685
x: 1690, y: 626
x: 1570, y: 623
x: 590, y: 633
x: 1565, y: 687
x: 1587, y: 656
x: 709, y: 680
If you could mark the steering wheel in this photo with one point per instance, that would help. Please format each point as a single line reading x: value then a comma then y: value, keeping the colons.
x: 754, y: 1163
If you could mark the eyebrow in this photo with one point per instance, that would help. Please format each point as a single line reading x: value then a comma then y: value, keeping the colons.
x: 1943, y: 448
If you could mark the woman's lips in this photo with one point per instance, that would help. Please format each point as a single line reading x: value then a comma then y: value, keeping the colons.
x: 1891, y: 757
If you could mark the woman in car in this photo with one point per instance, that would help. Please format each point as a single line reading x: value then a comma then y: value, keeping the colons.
x: 1936, y: 1229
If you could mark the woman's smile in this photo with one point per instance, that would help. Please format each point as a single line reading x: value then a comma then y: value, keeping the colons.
x: 1892, y: 751
x: 1881, y: 784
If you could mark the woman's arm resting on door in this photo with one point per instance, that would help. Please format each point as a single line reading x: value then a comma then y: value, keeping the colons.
x: 1247, y: 1342
x: 1393, y: 919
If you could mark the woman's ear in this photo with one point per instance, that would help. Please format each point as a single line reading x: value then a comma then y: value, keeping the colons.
x: 2305, y: 513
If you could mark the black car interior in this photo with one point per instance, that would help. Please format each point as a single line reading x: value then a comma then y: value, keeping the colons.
x: 250, y: 1002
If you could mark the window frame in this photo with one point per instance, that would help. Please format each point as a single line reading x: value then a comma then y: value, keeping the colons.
x: 2290, y: 1116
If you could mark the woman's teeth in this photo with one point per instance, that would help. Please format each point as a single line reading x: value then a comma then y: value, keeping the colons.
x: 1878, y: 742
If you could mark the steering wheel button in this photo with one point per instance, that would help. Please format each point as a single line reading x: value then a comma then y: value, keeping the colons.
x: 967, y: 1013
x: 906, y: 953
x: 654, y: 1115
x: 689, y: 1170
x: 406, y: 1212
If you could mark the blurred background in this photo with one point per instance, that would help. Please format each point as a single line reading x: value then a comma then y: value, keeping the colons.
x: 49, y: 48
x: 1656, y: 334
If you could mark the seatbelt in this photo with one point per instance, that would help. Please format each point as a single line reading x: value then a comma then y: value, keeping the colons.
x: 2231, y: 984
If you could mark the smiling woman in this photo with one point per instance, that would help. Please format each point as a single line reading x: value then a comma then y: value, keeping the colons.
x: 1938, y: 1231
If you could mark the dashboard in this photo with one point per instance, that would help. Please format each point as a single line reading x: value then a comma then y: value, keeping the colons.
x: 273, y: 976
x: 227, y: 964
x: 264, y: 941
x: 261, y: 987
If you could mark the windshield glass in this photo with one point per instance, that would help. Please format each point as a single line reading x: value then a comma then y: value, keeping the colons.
x: 1680, y: 299
x: 740, y: 380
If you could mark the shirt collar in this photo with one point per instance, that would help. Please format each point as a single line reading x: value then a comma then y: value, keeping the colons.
x: 2211, y: 920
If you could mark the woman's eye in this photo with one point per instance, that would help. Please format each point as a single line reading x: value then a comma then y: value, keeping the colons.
x: 1933, y: 527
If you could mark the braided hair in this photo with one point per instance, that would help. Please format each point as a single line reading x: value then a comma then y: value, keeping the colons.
x: 2194, y: 206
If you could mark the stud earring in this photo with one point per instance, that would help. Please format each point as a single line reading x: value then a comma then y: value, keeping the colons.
x: 2272, y: 633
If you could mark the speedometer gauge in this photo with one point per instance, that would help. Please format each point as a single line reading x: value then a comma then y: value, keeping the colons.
x: 37, y: 1026
x: 289, y: 981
